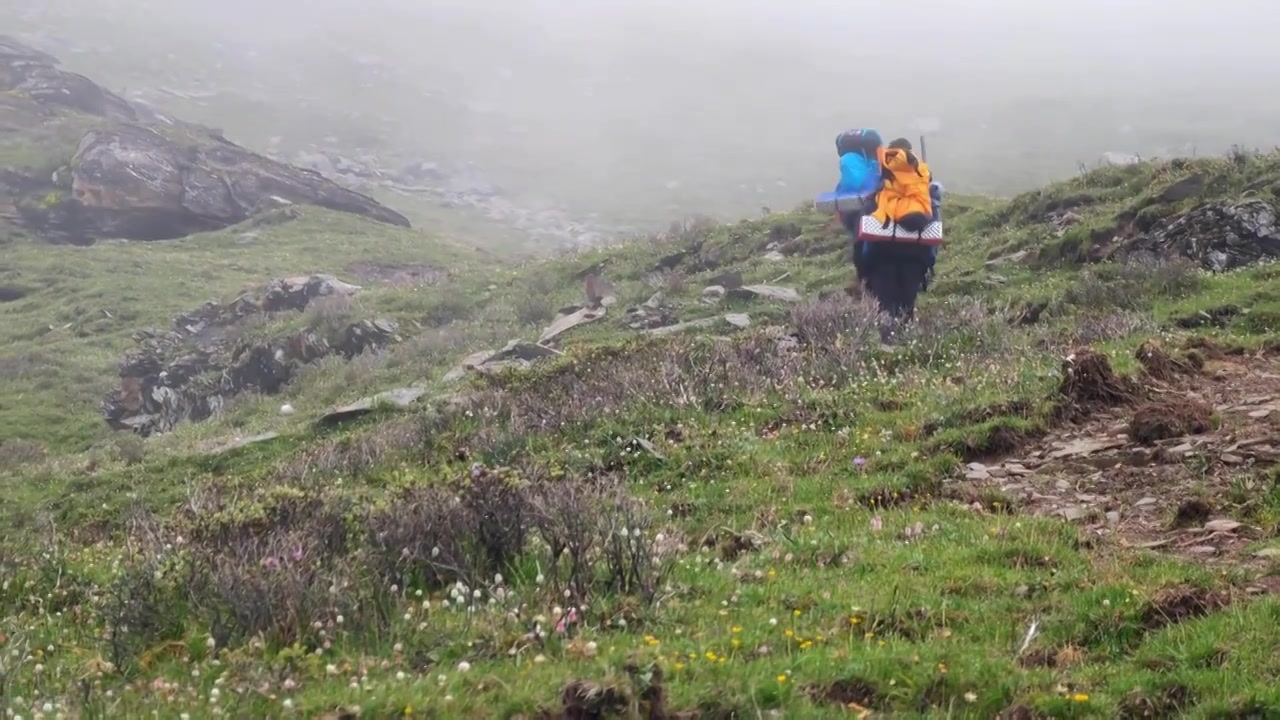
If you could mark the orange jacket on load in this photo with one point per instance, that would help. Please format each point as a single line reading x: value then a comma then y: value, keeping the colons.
x: 905, y: 190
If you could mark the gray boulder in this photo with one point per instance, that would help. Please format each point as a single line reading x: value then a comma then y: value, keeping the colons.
x: 1216, y: 236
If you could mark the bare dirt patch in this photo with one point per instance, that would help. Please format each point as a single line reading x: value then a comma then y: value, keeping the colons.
x: 852, y: 693
x: 1159, y: 477
x: 1182, y: 603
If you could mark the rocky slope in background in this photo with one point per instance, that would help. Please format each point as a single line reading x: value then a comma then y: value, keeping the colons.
x: 79, y: 163
x: 454, y: 188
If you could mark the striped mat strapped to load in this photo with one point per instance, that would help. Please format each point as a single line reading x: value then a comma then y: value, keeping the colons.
x: 873, y: 230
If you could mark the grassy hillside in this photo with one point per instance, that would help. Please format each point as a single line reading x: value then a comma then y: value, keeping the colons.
x: 783, y: 519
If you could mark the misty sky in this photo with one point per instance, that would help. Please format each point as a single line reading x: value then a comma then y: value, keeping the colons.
x: 663, y: 106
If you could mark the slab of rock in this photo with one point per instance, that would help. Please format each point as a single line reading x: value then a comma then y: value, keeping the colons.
x: 515, y: 354
x: 771, y: 292
x: 1222, y: 525
x: 738, y: 320
x: 681, y: 327
x: 1086, y: 446
x: 470, y: 362
x: 1073, y: 513
x: 245, y: 442
x: 399, y: 398
x: 521, y: 350
x: 564, y: 323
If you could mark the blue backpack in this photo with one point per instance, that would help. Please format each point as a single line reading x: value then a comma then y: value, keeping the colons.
x: 859, y: 173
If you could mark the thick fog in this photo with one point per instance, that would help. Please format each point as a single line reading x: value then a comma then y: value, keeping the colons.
x: 649, y: 109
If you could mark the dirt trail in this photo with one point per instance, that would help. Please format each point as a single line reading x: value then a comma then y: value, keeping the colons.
x: 1185, y: 485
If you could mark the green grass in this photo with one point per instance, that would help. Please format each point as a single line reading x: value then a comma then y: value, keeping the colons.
x: 797, y: 537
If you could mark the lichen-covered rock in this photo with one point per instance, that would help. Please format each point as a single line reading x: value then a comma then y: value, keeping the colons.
x: 1216, y: 236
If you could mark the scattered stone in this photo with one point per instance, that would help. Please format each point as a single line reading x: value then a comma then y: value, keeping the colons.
x: 728, y: 281
x: 1202, y: 550
x: 1073, y: 513
x: 1259, y: 414
x: 1145, y: 502
x: 713, y: 294
x: 367, y: 335
x: 1222, y: 525
x: 1105, y: 462
x: 649, y: 447
x: 1267, y: 553
x: 738, y: 320
x: 774, y: 256
x: 1113, y: 518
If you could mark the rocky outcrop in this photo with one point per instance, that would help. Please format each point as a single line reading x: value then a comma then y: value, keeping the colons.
x: 188, y: 373
x: 135, y: 174
x: 1216, y: 236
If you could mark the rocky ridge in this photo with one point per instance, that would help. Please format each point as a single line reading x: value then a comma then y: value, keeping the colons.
x: 79, y: 163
